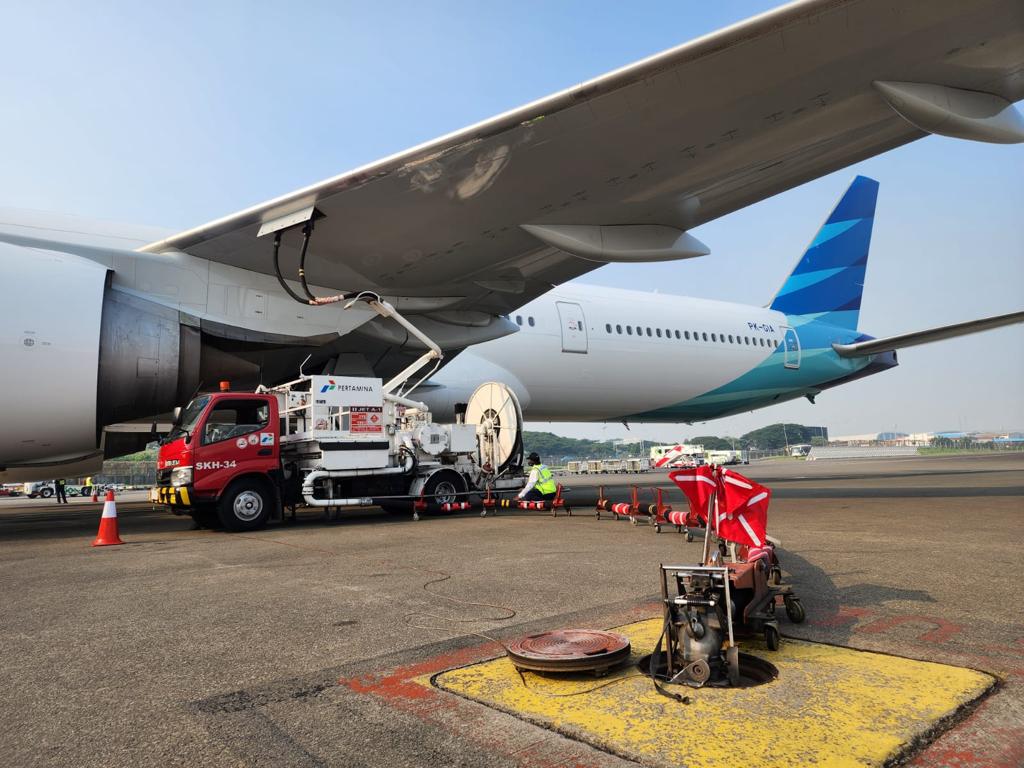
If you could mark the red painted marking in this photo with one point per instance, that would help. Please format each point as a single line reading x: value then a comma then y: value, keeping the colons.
x: 943, y: 631
x: 399, y: 684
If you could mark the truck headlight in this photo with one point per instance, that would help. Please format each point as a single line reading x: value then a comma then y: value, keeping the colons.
x: 181, y: 476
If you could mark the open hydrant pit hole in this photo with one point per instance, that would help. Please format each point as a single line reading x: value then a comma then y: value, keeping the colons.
x: 754, y: 671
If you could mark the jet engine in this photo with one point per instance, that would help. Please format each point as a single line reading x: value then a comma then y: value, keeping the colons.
x: 50, y: 318
x: 79, y: 355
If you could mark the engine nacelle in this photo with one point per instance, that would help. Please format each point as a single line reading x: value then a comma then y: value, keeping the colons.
x: 78, y: 355
x: 50, y: 318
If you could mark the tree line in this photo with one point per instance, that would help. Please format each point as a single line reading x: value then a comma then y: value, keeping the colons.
x: 772, y: 437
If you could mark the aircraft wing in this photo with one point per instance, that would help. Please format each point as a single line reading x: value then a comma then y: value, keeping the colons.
x: 620, y: 167
x: 891, y: 343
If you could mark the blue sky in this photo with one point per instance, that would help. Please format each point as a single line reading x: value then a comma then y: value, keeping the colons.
x: 173, y: 116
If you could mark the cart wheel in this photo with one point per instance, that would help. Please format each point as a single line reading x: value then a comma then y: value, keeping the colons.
x: 597, y: 514
x: 775, y: 575
x: 689, y: 537
x: 732, y: 657
x: 633, y: 520
x: 657, y: 528
x: 794, y: 610
x: 771, y: 638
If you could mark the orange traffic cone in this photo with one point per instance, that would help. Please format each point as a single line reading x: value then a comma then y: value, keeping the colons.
x: 95, y: 494
x: 108, y: 524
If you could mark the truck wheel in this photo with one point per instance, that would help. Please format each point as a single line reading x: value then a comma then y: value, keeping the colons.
x: 246, y: 505
x: 446, y: 486
x: 46, y: 493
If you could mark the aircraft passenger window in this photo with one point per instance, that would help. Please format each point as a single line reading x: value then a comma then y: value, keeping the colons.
x: 762, y: 342
x: 629, y: 330
x: 677, y: 335
x: 730, y: 338
x: 713, y: 337
x: 746, y: 340
x: 658, y: 330
x: 687, y: 335
x: 519, y: 319
x: 608, y: 327
x: 705, y: 334
x: 618, y: 329
x: 648, y: 331
x: 530, y: 321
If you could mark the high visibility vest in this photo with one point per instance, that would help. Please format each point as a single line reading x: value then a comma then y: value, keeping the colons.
x: 545, y: 480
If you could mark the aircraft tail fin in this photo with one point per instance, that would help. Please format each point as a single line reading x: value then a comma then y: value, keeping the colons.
x: 828, y: 280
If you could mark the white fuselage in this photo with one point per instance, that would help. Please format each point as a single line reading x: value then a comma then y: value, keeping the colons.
x: 627, y: 360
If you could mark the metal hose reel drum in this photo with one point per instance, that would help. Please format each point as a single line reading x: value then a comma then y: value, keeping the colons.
x: 495, y: 411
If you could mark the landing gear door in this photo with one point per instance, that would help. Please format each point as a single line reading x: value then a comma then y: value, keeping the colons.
x: 791, y: 352
x: 574, y: 327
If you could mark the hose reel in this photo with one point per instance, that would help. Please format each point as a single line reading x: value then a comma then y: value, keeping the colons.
x: 495, y: 411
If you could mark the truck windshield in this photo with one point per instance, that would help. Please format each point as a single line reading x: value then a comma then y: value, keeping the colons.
x: 187, y: 421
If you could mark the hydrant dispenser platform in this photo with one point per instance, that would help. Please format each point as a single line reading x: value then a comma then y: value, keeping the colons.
x: 830, y: 706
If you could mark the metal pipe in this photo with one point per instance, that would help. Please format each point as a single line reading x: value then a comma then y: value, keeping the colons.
x: 406, y: 402
x: 728, y: 608
x: 309, y: 481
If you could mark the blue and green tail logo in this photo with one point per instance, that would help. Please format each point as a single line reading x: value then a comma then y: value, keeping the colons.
x: 828, y: 281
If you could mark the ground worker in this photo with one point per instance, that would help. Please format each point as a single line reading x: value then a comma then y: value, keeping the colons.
x: 87, y: 487
x: 58, y: 487
x: 541, y: 485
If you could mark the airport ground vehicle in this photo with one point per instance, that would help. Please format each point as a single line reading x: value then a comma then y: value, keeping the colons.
x: 727, y: 457
x: 239, y: 458
x: 677, y: 456
x: 43, y: 489
x: 11, y: 490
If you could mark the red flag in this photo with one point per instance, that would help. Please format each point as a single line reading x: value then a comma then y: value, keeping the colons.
x: 742, y: 509
x: 697, y: 485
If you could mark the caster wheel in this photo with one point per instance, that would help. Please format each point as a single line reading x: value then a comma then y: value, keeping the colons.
x: 771, y: 638
x: 794, y: 610
x: 689, y: 537
x: 775, y: 575
x: 633, y: 520
x: 657, y: 528
x: 597, y: 515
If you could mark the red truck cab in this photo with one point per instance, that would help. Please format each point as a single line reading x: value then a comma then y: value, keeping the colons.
x: 221, y: 461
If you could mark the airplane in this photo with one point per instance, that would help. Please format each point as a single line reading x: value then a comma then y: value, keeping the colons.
x: 110, y: 328
x: 582, y: 350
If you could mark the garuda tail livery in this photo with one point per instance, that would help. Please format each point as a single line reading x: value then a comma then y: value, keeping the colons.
x: 582, y: 351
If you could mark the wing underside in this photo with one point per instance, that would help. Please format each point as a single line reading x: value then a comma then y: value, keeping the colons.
x: 674, y: 141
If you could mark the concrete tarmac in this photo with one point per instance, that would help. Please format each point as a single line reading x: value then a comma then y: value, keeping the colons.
x: 295, y: 645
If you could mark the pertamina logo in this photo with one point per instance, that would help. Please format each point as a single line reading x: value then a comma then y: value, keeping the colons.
x: 331, y: 386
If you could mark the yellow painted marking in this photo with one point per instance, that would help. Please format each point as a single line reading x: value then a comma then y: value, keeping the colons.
x: 184, y: 497
x: 830, y: 706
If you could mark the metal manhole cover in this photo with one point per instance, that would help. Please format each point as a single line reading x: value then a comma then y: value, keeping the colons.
x: 569, y: 650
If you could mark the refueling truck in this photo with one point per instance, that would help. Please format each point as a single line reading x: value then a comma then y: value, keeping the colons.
x: 238, y: 459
